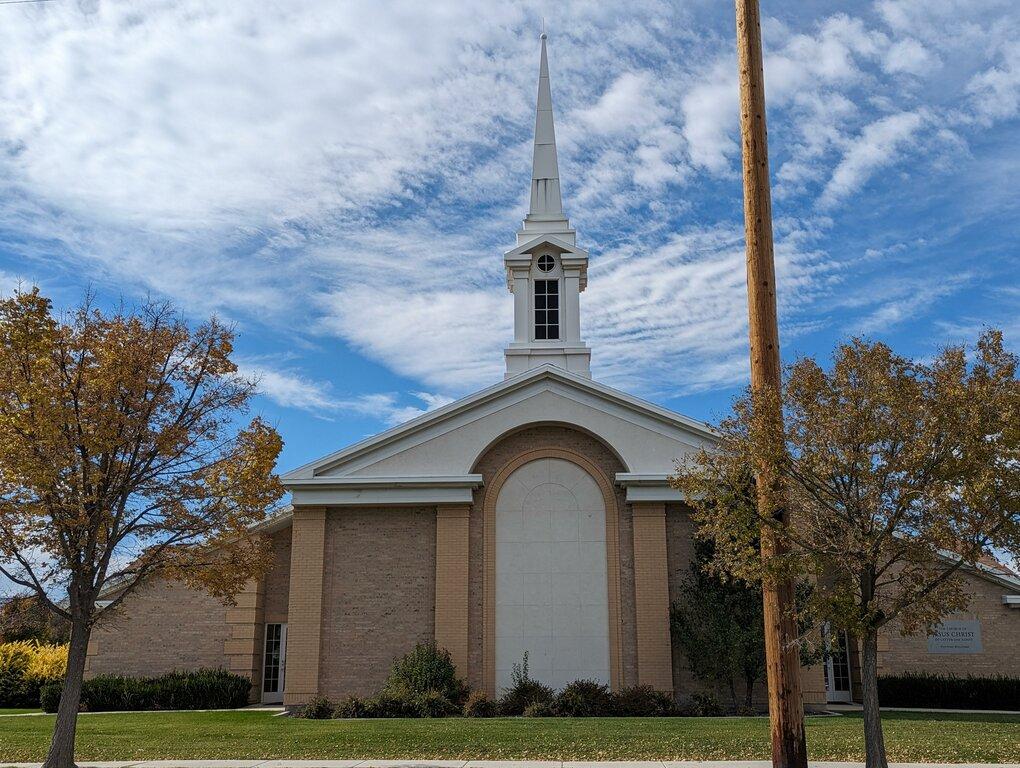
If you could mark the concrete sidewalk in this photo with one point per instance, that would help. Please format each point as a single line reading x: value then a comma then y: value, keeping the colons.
x: 485, y: 764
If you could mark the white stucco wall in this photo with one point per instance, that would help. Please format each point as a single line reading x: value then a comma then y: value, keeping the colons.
x: 552, y: 598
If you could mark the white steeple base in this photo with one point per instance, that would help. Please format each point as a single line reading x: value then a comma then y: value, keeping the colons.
x: 575, y: 357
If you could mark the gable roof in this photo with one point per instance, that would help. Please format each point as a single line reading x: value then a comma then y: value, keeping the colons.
x: 669, y: 420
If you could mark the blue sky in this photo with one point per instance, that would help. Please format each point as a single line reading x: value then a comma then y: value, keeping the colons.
x: 340, y: 180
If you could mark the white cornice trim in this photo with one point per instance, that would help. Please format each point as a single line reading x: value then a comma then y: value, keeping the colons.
x: 403, y: 481
x: 383, y: 491
x: 633, y: 479
x: 647, y: 487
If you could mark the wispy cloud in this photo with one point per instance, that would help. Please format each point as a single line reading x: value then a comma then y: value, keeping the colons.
x: 293, y: 390
x: 877, y: 146
x: 351, y: 172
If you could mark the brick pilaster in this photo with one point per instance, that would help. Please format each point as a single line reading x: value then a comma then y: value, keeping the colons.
x: 812, y: 686
x: 452, y: 582
x: 243, y: 646
x: 651, y: 596
x: 304, y: 626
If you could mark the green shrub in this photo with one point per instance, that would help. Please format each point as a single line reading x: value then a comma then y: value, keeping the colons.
x: 317, y: 708
x: 350, y: 707
x: 643, y: 701
x: 935, y: 691
x: 198, y: 689
x: 478, y: 704
x: 539, y: 709
x: 584, y: 698
x: 522, y: 692
x: 426, y: 669
x: 388, y: 704
x: 49, y: 696
x: 435, y: 704
x: 705, y: 705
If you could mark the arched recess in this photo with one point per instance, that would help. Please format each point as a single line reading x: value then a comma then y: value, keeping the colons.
x: 561, y: 424
x: 489, y: 559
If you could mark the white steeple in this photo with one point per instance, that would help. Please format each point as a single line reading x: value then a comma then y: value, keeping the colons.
x: 545, y: 172
x: 546, y: 272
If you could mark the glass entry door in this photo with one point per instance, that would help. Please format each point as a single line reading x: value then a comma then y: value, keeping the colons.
x: 837, y: 666
x: 274, y: 663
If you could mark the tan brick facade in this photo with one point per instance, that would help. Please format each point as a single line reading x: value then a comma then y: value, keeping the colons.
x: 651, y: 597
x: 1000, y: 638
x: 243, y: 647
x: 277, y: 581
x: 364, y: 585
x: 451, y: 620
x: 378, y: 596
x: 162, y: 627
x: 305, y: 607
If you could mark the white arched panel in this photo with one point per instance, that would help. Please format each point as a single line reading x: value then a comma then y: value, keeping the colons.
x: 551, y: 584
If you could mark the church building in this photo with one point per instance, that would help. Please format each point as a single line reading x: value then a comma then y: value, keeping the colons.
x: 534, y: 516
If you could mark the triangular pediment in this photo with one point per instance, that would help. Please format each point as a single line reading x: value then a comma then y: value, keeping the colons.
x: 442, y: 446
x: 545, y: 242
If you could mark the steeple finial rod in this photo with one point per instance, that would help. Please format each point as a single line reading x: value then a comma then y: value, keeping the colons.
x: 545, y: 174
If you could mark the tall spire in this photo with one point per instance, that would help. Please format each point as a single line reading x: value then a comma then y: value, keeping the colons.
x: 545, y: 174
x: 547, y: 271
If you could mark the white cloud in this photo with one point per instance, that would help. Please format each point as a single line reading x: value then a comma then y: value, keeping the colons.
x: 995, y: 92
x: 907, y: 55
x: 878, y: 145
x: 892, y: 301
x: 353, y: 171
x: 710, y: 110
x: 293, y: 390
x: 447, y: 339
x: 289, y: 389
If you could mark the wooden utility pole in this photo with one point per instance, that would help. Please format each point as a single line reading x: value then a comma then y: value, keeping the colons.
x: 782, y: 657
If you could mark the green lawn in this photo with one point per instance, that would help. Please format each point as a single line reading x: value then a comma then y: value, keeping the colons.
x: 910, y: 737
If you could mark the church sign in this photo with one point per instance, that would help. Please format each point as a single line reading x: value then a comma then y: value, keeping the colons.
x: 956, y: 637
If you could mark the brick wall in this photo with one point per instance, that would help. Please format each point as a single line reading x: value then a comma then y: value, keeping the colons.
x: 378, y: 594
x: 163, y: 626
x: 500, y: 454
x: 276, y: 588
x: 1000, y: 638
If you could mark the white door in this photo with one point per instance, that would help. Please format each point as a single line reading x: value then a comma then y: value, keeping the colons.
x: 552, y: 599
x: 274, y: 663
x: 837, y: 667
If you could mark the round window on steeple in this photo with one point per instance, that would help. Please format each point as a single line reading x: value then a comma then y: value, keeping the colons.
x: 545, y: 262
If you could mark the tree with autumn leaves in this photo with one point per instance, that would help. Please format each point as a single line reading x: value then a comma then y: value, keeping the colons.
x: 123, y: 456
x: 896, y: 475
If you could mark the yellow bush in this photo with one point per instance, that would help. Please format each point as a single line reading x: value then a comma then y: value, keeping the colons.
x: 47, y: 663
x: 25, y: 666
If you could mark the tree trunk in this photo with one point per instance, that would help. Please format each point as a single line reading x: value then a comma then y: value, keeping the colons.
x: 749, y: 692
x: 733, y: 693
x: 61, y: 754
x: 874, y: 740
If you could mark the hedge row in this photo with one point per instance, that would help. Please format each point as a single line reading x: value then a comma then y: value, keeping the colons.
x: 582, y: 698
x: 935, y: 691
x: 424, y: 683
x: 25, y: 667
x: 200, y: 689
